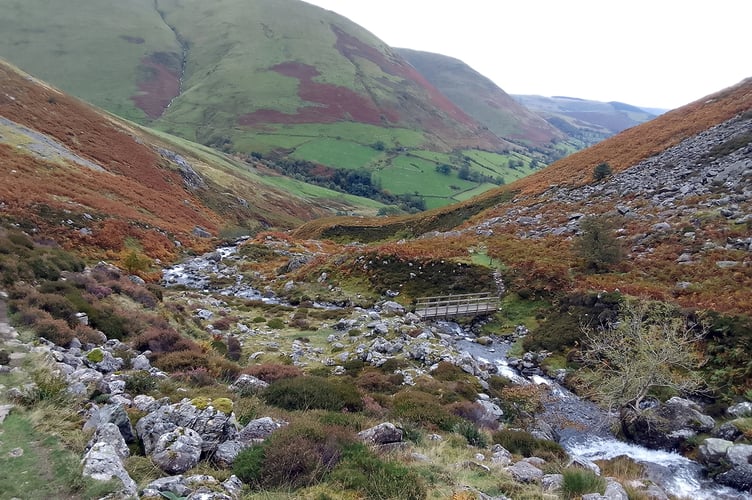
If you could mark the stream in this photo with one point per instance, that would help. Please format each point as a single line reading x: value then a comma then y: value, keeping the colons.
x: 584, y: 431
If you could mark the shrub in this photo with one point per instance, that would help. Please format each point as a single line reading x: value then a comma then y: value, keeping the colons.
x: 234, y: 349
x: 140, y: 383
x: 578, y: 482
x: 422, y: 408
x: 597, y: 246
x: 447, y: 371
x: 304, y: 393
x: 197, y: 377
x: 601, y: 171
x: 471, y: 433
x: 271, y: 372
x: 58, y: 306
x: 181, y: 361
x: 54, y: 330
x: 377, y: 381
x: 295, y: 456
x: 522, y: 443
x: 222, y: 368
x: 163, y: 340
x: 275, y: 323
x: 362, y: 471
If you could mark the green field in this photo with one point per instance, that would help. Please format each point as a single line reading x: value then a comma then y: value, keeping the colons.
x: 336, y: 153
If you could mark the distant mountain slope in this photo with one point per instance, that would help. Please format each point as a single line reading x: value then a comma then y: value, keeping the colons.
x: 590, y: 121
x: 279, y: 79
x: 91, y: 180
x: 483, y: 99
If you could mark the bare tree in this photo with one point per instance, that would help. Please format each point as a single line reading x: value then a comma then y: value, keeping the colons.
x: 650, y: 347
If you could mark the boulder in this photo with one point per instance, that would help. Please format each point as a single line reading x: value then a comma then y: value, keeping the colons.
x: 500, y: 455
x: 552, y: 482
x: 740, y: 410
x: 102, y: 463
x: 141, y: 362
x: 248, y: 384
x: 212, y: 425
x: 110, y: 434
x: 712, y: 450
x: 524, y: 472
x: 194, y: 487
x: 114, y: 414
x: 393, y: 308
x: 178, y: 450
x: 381, y: 434
x: 261, y: 428
x: 668, y: 425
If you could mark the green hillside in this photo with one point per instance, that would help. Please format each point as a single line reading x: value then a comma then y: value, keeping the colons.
x: 282, y: 80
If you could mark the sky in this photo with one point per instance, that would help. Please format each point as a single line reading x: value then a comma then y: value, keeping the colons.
x: 651, y: 53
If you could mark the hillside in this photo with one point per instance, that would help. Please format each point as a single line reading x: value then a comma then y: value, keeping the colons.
x: 482, y: 99
x: 282, y: 80
x: 92, y: 181
x: 586, y: 120
x: 534, y: 211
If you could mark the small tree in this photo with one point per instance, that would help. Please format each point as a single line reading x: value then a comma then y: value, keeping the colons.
x: 601, y: 171
x: 650, y: 347
x: 597, y: 245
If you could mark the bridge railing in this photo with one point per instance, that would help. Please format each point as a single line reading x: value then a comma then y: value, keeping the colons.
x: 468, y: 304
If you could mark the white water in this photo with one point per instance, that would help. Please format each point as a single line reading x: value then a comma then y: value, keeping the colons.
x: 674, y: 473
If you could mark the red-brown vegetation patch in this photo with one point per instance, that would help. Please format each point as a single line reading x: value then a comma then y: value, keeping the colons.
x: 332, y: 103
x: 159, y: 88
x: 135, y: 186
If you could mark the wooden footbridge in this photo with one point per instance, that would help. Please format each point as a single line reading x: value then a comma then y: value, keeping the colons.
x: 448, y: 306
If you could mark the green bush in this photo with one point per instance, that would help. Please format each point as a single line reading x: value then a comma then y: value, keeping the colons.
x: 275, y: 323
x: 181, y: 361
x: 422, y: 408
x: 447, y: 372
x: 140, y: 382
x: 55, y: 330
x: 364, y: 472
x: 522, y: 443
x: 601, y: 171
x: 578, y: 482
x: 306, y: 393
x: 295, y: 456
x: 471, y: 433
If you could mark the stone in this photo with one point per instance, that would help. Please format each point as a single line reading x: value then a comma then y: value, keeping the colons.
x: 110, y: 434
x: 115, y: 414
x: 5, y: 411
x: 178, y: 450
x: 668, y: 425
x: 740, y: 410
x: 383, y: 433
x: 393, y: 308
x: 248, y: 384
x: 615, y: 491
x: 739, y: 454
x: 500, y: 455
x: 712, y: 450
x: 524, y: 472
x: 212, y: 425
x: 739, y: 477
x: 552, y: 482
x: 200, y: 232
x: 141, y: 362
x: 260, y: 428
x: 102, y: 463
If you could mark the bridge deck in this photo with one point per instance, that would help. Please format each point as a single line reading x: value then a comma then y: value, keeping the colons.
x: 456, y: 305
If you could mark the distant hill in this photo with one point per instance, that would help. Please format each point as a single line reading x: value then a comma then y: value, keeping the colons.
x: 279, y: 79
x: 93, y: 181
x: 482, y: 99
x: 589, y: 121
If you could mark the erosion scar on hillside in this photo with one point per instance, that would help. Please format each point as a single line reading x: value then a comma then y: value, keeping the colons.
x: 159, y: 84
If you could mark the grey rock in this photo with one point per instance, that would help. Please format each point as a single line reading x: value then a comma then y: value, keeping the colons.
x: 102, y: 463
x: 615, y: 491
x: 712, y: 450
x: 383, y: 433
x: 392, y: 308
x: 500, y: 455
x: 524, y: 472
x: 200, y: 232
x: 178, y: 450
x: 739, y: 455
x: 739, y: 477
x: 115, y: 414
x: 141, y: 362
x: 260, y: 428
x: 110, y: 434
x: 5, y: 411
x: 212, y: 425
x: 248, y: 384
x: 740, y: 410
x: 552, y: 482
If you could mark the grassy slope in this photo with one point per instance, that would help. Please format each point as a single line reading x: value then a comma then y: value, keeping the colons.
x: 482, y: 99
x: 82, y: 57
x: 230, y: 47
x: 620, y: 152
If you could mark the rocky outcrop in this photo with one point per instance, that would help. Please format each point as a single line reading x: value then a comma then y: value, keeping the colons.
x: 381, y: 434
x: 730, y: 463
x: 256, y: 431
x: 103, y: 463
x: 178, y: 450
x: 195, y: 487
x: 668, y: 425
x: 212, y: 425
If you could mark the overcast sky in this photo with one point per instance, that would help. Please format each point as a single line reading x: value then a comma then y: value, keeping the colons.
x: 657, y: 53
